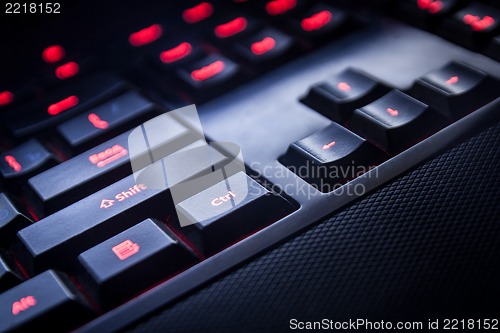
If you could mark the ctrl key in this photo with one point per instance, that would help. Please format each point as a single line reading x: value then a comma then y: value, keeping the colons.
x: 46, y: 302
x: 132, y: 261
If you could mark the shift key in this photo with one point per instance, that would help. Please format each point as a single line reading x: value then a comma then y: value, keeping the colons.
x: 56, y: 240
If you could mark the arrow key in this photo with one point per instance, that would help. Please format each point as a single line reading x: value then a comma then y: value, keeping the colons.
x: 395, y: 121
x: 330, y: 157
x: 456, y: 89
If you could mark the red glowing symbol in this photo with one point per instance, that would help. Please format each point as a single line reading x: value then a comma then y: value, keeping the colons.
x: 176, y: 53
x: 67, y: 70
x: 316, y: 21
x: 432, y: 6
x: 126, y: 249
x: 146, y: 35
x: 63, y: 105
x: 329, y: 145
x: 392, y: 112
x: 344, y: 86
x: 6, y: 97
x: 231, y: 28
x: 263, y: 46
x: 478, y: 24
x: 53, y: 54
x: 105, y: 203
x: 11, y: 160
x: 109, y: 155
x: 198, y: 13
x: 452, y: 80
x: 208, y: 71
x: 97, y: 122
x: 23, y: 304
x: 277, y: 7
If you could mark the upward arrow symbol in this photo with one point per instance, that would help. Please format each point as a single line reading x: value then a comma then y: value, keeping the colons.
x: 105, y: 203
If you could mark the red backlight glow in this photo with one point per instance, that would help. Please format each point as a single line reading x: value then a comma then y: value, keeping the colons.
x: 344, y: 86
x: 146, y: 35
x: 109, y: 155
x: 67, y: 70
x: 23, y: 304
x: 126, y: 249
x: 6, y: 97
x: 231, y: 28
x: 63, y: 105
x: 278, y: 7
x: 263, y: 46
x: 198, y: 13
x: 11, y: 160
x: 53, y: 53
x: 208, y: 71
x: 316, y: 21
x: 176, y: 53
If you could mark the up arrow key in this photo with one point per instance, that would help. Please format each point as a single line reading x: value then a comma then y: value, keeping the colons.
x: 105, y: 203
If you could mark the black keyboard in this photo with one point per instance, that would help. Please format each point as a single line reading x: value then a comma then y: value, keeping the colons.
x: 327, y: 100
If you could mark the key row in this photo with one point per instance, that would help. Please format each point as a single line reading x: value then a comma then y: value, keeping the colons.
x: 380, y: 123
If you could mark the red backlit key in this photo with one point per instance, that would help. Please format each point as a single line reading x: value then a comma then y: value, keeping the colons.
x: 74, y: 96
x: 127, y: 263
x: 280, y: 7
x: 11, y: 221
x: 320, y: 157
x: 319, y: 21
x: 456, y: 89
x: 473, y: 25
x: 8, y: 277
x: 231, y: 28
x: 395, y: 121
x: 173, y: 53
x: 45, y: 302
x: 425, y: 12
x: 97, y: 217
x: 104, y: 121
x: 210, y: 71
x: 228, y: 211
x: 52, y: 54
x: 337, y: 97
x: 198, y: 13
x: 146, y: 35
x: 67, y: 70
x: 265, y: 45
x: 22, y: 162
x: 176, y: 53
x: 6, y: 98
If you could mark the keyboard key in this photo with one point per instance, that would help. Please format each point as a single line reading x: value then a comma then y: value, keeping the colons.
x: 8, y: 277
x: 198, y: 13
x: 11, y: 221
x: 22, y: 162
x: 229, y: 210
x: 278, y: 8
x: 131, y: 261
x: 268, y: 44
x: 318, y: 21
x: 456, y: 89
x: 473, y: 25
x: 69, y: 100
x: 104, y: 121
x: 425, y: 13
x: 234, y: 26
x: 330, y: 157
x: 101, y: 215
x: 46, y: 302
x: 100, y: 166
x: 337, y: 97
x: 211, y: 70
x: 395, y: 121
x: 176, y: 52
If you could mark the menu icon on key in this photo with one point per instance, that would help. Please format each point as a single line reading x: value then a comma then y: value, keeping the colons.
x: 126, y: 249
